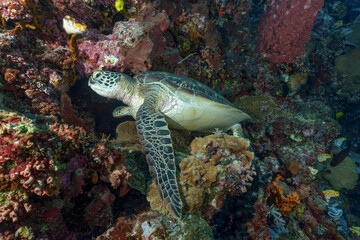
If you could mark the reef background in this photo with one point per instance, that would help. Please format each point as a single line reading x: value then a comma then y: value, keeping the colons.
x: 68, y: 170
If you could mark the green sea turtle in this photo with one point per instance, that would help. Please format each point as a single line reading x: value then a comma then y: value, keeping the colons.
x: 159, y: 99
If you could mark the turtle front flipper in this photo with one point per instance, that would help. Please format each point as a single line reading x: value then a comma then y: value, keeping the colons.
x: 155, y: 138
x: 237, y: 130
x: 121, y: 111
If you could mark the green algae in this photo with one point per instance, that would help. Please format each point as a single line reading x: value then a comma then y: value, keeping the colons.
x: 24, y: 232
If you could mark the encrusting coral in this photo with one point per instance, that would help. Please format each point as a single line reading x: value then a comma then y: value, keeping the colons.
x: 220, y: 165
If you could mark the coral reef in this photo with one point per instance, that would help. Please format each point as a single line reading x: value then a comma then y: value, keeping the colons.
x: 64, y: 174
x: 127, y: 137
x: 345, y: 64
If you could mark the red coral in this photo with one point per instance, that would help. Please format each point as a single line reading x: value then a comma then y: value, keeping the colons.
x: 285, y: 27
x: 7, y: 151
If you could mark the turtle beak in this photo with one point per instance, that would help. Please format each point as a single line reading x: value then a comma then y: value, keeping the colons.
x: 91, y: 81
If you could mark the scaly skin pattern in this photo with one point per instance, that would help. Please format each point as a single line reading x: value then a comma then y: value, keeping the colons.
x: 155, y: 138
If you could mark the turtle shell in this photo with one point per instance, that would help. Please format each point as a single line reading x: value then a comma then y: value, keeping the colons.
x: 196, y: 107
x: 182, y: 86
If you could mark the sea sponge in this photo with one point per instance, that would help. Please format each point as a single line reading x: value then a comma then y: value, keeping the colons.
x: 284, y: 202
x: 154, y: 198
x: 220, y: 165
x: 196, y: 176
x: 196, y: 172
x: 343, y: 175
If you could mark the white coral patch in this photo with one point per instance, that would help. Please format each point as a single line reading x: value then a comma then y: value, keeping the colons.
x: 147, y: 230
x: 111, y: 59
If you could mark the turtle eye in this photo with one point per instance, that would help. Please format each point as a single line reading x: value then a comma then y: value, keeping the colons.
x: 97, y: 75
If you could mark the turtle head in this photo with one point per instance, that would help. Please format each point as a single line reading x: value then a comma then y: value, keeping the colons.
x: 109, y: 84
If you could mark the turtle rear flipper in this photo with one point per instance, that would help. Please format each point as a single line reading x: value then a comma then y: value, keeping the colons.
x: 155, y: 138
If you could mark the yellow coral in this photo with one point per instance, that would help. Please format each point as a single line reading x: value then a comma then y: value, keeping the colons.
x: 119, y: 5
x: 72, y: 27
x: 195, y: 172
x: 154, y: 198
x: 210, y: 174
x: 196, y: 176
x: 330, y: 194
